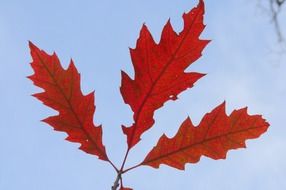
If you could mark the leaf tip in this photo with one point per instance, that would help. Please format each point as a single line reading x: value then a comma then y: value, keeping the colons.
x: 30, y: 43
x: 32, y: 46
x: 221, y: 107
x: 169, y: 21
x: 144, y: 26
x: 30, y: 77
x: 201, y: 4
x: 72, y: 62
x: 123, y: 72
x: 35, y: 95
x: 145, y: 30
x: 46, y: 120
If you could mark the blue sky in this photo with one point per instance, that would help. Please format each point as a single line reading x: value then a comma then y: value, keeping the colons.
x: 241, y: 61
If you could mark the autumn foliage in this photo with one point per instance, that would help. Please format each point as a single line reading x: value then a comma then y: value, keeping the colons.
x: 160, y: 76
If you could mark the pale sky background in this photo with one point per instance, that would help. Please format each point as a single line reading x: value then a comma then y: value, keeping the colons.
x: 241, y: 61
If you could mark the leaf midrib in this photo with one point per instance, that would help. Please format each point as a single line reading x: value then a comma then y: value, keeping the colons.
x: 197, y: 143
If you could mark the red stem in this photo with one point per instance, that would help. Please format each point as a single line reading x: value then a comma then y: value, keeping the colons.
x: 131, y: 168
x: 111, y: 163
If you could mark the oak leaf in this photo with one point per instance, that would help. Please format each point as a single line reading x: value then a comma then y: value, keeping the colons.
x: 160, y: 70
x: 213, y: 137
x: 62, y: 93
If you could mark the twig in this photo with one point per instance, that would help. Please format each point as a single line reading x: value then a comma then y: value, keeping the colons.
x: 275, y: 7
x: 117, y: 180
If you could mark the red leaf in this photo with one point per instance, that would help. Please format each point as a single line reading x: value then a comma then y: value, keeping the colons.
x: 160, y: 70
x: 62, y: 93
x: 213, y: 137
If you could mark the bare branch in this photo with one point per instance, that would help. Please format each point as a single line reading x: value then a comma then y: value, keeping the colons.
x: 275, y: 7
